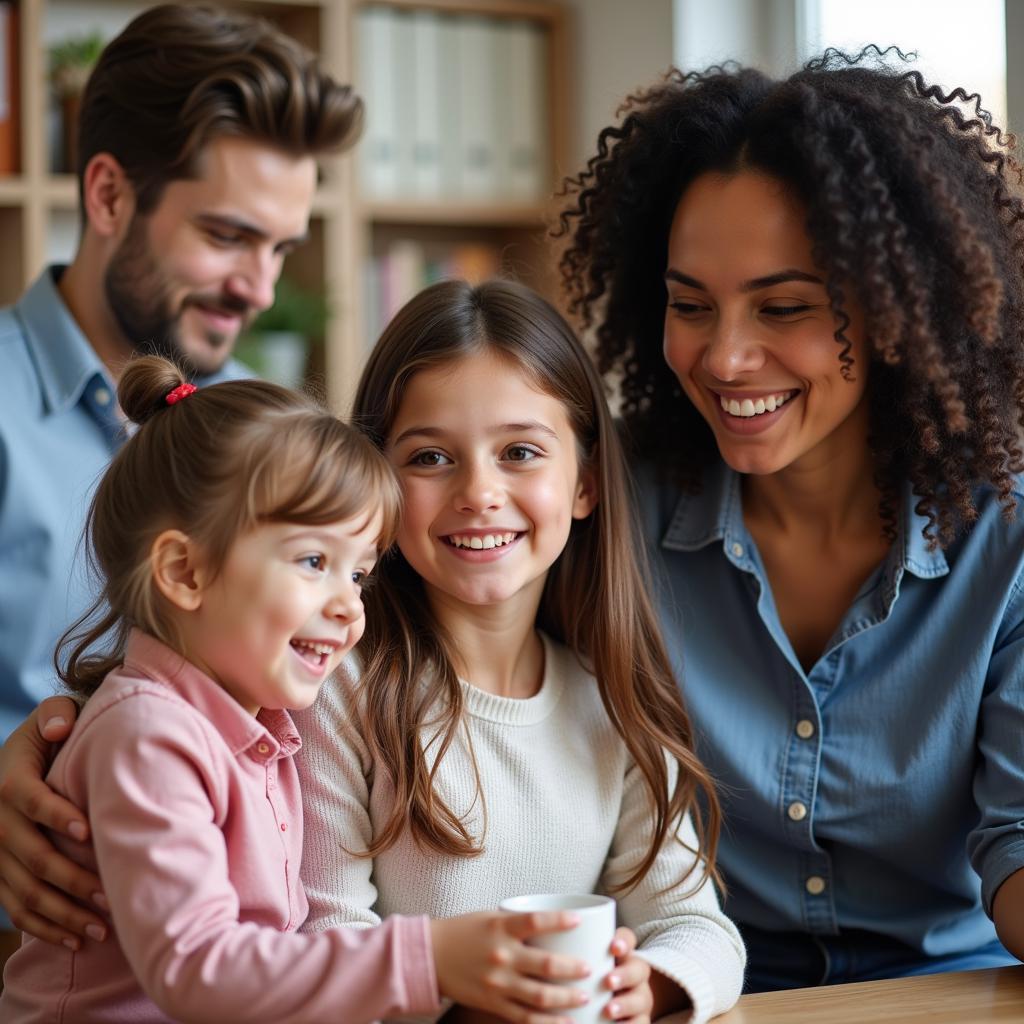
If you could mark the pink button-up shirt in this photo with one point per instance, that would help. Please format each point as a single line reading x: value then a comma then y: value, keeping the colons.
x: 196, y: 817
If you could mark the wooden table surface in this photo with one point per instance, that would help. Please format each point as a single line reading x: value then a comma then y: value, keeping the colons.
x: 966, y: 997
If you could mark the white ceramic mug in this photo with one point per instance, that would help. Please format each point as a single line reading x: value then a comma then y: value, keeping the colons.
x: 590, y: 941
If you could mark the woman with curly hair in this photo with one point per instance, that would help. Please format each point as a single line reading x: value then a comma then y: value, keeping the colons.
x: 810, y: 293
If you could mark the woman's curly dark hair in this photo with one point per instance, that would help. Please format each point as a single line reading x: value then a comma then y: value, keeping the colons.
x: 913, y: 205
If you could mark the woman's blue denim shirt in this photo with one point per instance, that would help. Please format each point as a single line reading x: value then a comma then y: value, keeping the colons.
x: 884, y: 789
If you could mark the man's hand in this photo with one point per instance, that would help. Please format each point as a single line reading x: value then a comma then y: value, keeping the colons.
x: 36, y: 880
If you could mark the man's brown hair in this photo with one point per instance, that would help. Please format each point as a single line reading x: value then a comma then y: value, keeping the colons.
x: 181, y: 76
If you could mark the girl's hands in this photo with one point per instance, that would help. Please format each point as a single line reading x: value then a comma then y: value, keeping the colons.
x: 630, y: 982
x: 483, y: 962
x: 34, y: 877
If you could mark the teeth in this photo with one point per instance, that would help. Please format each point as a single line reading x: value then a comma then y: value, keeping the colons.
x: 315, y: 648
x: 477, y: 543
x: 748, y: 407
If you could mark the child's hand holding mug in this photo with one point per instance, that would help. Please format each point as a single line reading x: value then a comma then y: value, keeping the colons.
x: 618, y: 983
x: 483, y: 961
x: 629, y: 982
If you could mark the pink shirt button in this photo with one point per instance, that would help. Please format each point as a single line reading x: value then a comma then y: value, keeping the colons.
x: 284, y: 826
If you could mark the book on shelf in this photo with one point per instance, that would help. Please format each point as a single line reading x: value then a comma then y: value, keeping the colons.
x: 522, y: 155
x: 10, y: 122
x: 455, y: 106
x: 427, y: 140
x: 379, y: 150
x: 446, y: 88
x: 407, y: 266
x: 478, y: 43
x: 403, y: 93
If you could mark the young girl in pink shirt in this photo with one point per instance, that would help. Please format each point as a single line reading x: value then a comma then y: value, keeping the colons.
x: 234, y: 534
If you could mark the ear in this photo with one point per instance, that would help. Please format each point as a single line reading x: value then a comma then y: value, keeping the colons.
x: 178, y: 571
x: 108, y: 196
x: 585, y: 499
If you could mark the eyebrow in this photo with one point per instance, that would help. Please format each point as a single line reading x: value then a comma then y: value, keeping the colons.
x: 753, y: 285
x: 327, y: 540
x: 246, y: 227
x: 502, y: 428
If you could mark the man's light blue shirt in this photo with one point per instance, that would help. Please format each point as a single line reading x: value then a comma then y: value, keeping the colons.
x: 883, y: 789
x: 59, y: 427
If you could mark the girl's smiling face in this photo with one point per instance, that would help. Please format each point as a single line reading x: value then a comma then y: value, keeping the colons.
x: 749, y: 331
x: 491, y: 482
x: 283, y: 610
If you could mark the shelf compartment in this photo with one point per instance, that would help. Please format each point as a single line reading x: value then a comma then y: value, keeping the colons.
x: 512, y: 215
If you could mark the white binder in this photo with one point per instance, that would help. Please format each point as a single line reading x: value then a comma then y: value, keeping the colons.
x: 379, y: 149
x: 479, y: 40
x: 425, y: 102
x: 523, y: 90
x: 450, y: 105
x: 404, y: 90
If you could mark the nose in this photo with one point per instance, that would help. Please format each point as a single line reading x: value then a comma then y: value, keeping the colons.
x: 479, y: 488
x: 733, y: 349
x: 346, y: 602
x: 255, y: 276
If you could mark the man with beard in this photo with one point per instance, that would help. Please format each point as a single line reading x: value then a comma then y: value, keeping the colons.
x: 198, y: 137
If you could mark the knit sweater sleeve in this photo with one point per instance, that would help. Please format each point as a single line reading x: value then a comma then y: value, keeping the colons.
x: 334, y: 770
x: 683, y: 935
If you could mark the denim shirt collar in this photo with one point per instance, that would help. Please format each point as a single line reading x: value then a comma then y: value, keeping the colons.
x: 716, y: 514
x: 65, y: 360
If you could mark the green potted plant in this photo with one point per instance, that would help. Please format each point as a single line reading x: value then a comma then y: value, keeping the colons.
x: 71, y: 63
x: 277, y: 344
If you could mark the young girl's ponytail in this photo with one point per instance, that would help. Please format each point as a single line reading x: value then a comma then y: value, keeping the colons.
x: 145, y: 387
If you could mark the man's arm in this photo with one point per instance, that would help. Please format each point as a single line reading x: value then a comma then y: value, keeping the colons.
x: 36, y: 882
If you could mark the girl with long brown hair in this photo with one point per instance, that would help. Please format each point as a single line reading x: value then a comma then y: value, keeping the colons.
x: 233, y: 534
x: 511, y: 723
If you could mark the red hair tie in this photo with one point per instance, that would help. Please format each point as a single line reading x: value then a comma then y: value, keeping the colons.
x: 180, y: 392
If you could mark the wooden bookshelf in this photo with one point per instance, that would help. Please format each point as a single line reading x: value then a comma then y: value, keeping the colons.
x: 39, y: 206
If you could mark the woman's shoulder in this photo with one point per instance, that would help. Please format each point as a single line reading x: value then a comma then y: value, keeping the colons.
x: 580, y: 696
x: 991, y: 546
x: 985, y: 493
x: 999, y: 515
x: 565, y: 668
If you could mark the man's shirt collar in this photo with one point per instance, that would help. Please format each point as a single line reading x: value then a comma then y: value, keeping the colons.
x: 65, y: 360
